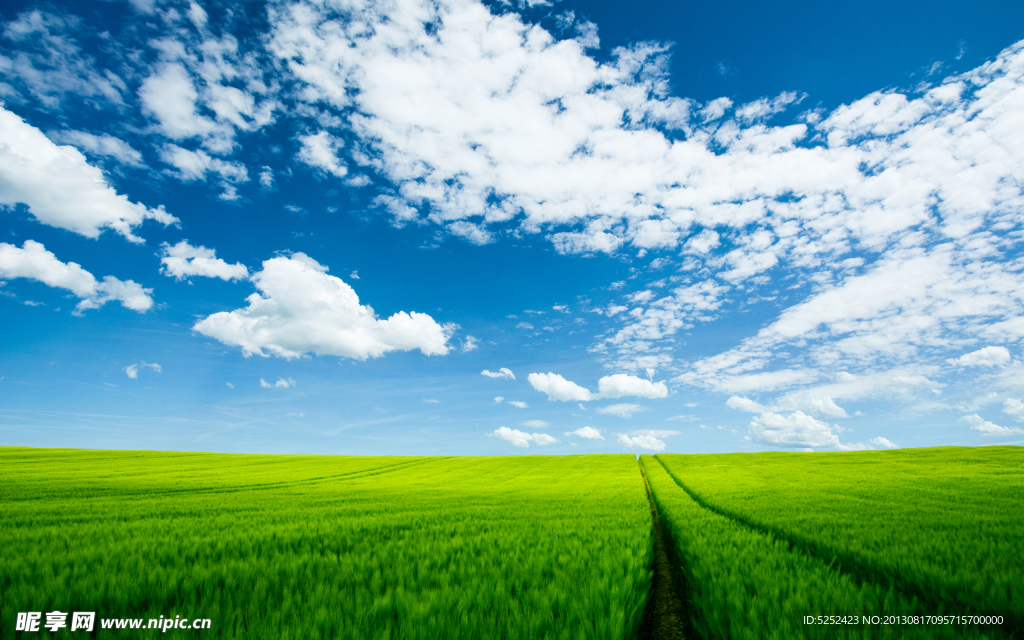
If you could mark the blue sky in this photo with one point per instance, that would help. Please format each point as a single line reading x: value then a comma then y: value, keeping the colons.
x: 473, y: 229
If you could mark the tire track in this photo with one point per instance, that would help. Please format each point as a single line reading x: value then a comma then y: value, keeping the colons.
x: 666, y: 615
x: 856, y: 569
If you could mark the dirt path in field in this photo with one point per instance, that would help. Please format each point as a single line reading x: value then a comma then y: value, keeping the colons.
x: 665, y: 617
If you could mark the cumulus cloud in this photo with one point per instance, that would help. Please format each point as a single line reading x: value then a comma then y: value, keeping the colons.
x: 987, y: 428
x: 33, y: 261
x: 500, y: 373
x: 656, y: 433
x: 622, y: 410
x: 558, y: 388
x: 746, y: 404
x: 884, y: 443
x: 522, y: 439
x: 650, y: 443
x: 61, y: 188
x: 498, y: 399
x: 470, y: 344
x: 198, y: 165
x: 281, y: 383
x: 797, y: 430
x: 183, y: 260
x: 320, y: 151
x: 132, y: 370
x: 590, y: 433
x: 986, y: 357
x: 169, y: 94
x: 613, y: 386
x: 1014, y: 408
x: 543, y: 439
x: 205, y: 88
x: 621, y: 384
x: 301, y: 309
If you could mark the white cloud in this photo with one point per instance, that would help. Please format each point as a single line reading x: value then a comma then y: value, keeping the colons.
x: 500, y: 373
x: 498, y: 399
x: 590, y: 433
x: 558, y: 388
x: 50, y: 66
x: 765, y: 107
x: 196, y: 165
x: 825, y: 406
x: 621, y: 384
x: 519, y: 404
x: 560, y: 126
x: 431, y: 401
x: 267, y: 177
x: 614, y: 386
x: 33, y: 261
x: 320, y: 151
x: 543, y: 439
x: 649, y: 443
x: 101, y: 145
x: 1014, y: 408
x: 884, y: 443
x: 183, y: 260
x: 170, y: 95
x: 515, y: 436
x: 797, y: 430
x: 746, y: 404
x: 132, y: 370
x: 60, y: 187
x: 703, y: 242
x: 897, y: 204
x: 987, y: 357
x: 300, y: 309
x: 987, y: 428
x: 471, y: 343
x: 655, y: 433
x: 622, y: 410
x: 535, y: 424
x: 205, y: 88
x: 522, y: 439
x: 281, y: 383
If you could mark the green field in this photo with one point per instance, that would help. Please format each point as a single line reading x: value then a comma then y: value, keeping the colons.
x: 512, y: 547
x: 328, y: 547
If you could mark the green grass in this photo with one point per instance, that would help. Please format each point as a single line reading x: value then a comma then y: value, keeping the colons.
x: 509, y: 547
x: 327, y: 546
x: 945, y: 523
x: 744, y: 584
